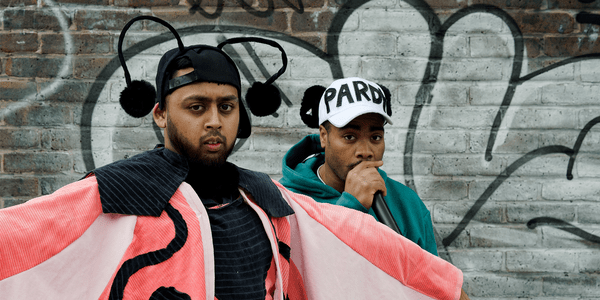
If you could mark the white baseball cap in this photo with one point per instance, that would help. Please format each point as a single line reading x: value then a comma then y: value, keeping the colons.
x: 348, y: 98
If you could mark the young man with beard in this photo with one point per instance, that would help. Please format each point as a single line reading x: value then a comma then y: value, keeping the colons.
x: 180, y: 222
x: 341, y: 164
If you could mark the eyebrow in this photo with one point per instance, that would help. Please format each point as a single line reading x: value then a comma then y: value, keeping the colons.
x: 356, y: 127
x: 201, y: 98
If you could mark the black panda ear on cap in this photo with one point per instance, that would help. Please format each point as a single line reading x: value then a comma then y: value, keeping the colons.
x: 138, y: 98
x: 388, y: 99
x: 263, y: 99
x: 310, y: 103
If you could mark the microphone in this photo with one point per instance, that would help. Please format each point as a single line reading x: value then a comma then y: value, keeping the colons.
x: 382, y: 211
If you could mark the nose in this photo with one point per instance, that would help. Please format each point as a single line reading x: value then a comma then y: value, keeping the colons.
x: 213, y: 118
x: 364, y: 150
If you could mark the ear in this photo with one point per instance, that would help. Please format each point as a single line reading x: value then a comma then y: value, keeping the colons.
x: 323, y: 136
x: 160, y: 116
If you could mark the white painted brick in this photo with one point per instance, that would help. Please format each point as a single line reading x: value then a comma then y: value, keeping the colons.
x: 570, y: 94
x: 589, y: 70
x: 474, y: 69
x: 373, y: 43
x: 587, y: 115
x: 461, y: 117
x: 461, y: 241
x: 441, y: 189
x: 453, y: 141
x: 393, y: 69
x: 311, y: 68
x: 476, y: 24
x: 562, y: 73
x: 393, y: 163
x: 380, y: 4
x: 395, y: 139
x: 477, y: 261
x: 589, y: 261
x: 134, y: 139
x: 544, y: 118
x: 588, y: 165
x: 414, y: 45
x: 577, y: 189
x: 450, y: 93
x: 516, y: 142
x: 511, y: 189
x: 554, y: 238
x: 456, y: 46
x: 503, y: 236
x: 393, y: 21
x: 541, y: 261
x: 454, y: 212
x: 453, y: 165
x: 522, y: 213
x: 492, y: 46
x: 502, y: 285
x: 270, y: 120
x: 568, y: 138
x: 266, y: 162
x: 111, y: 114
x: 352, y: 23
x: 493, y: 93
x: 422, y: 164
x: 588, y: 213
x: 571, y: 284
x: 553, y: 165
x: 276, y: 140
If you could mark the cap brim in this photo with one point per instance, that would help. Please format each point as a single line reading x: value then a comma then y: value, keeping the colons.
x: 344, y: 117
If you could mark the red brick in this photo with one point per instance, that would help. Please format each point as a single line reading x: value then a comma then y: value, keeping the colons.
x: 523, y: 4
x: 315, y: 21
x: 37, y: 162
x: 89, y: 67
x: 295, y: 4
x: 534, y: 46
x: 19, y: 139
x: 313, y: 39
x: 49, y: 184
x: 12, y: 3
x: 447, y: 3
x: 16, y: 89
x: 558, y: 46
x: 145, y: 3
x: 536, y: 22
x: 39, y: 115
x: 572, y: 4
x: 87, y: 2
x: 15, y: 187
x: 43, y: 19
x: 83, y: 43
x: 179, y: 18
x: 275, y: 22
x: 18, y: 42
x: 61, y: 139
x: 34, y: 66
x: 105, y: 19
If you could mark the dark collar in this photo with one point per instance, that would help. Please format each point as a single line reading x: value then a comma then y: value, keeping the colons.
x: 144, y: 184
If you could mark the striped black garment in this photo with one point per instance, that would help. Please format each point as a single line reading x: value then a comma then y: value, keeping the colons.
x: 242, y: 250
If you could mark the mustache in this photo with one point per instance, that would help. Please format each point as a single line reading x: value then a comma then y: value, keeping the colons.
x: 212, y: 134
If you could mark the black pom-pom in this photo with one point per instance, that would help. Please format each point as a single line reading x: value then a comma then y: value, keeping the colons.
x: 137, y: 99
x: 263, y: 99
x: 388, y: 99
x: 310, y: 102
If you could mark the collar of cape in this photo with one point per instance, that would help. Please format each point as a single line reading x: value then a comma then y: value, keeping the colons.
x: 143, y: 185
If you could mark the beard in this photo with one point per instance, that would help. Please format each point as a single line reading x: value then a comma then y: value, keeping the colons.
x: 194, y: 155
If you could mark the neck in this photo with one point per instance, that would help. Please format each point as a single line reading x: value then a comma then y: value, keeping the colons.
x: 331, y: 179
x: 214, y: 182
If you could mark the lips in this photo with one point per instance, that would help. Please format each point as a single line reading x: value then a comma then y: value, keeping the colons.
x: 214, y: 144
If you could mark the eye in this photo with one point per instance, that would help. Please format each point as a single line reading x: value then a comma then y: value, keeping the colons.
x: 226, y: 107
x: 349, y: 137
x: 196, y: 107
x: 377, y: 138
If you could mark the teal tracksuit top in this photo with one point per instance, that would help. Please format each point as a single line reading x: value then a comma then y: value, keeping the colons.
x: 300, y: 165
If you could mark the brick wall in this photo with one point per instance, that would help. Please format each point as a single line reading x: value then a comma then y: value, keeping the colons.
x: 492, y: 99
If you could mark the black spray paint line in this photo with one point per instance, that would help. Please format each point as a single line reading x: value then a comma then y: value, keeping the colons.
x: 564, y: 226
x: 578, y: 143
x: 196, y: 8
x: 113, y: 65
x: 498, y: 181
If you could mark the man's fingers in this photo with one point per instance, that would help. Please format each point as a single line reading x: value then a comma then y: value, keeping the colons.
x: 368, y: 164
